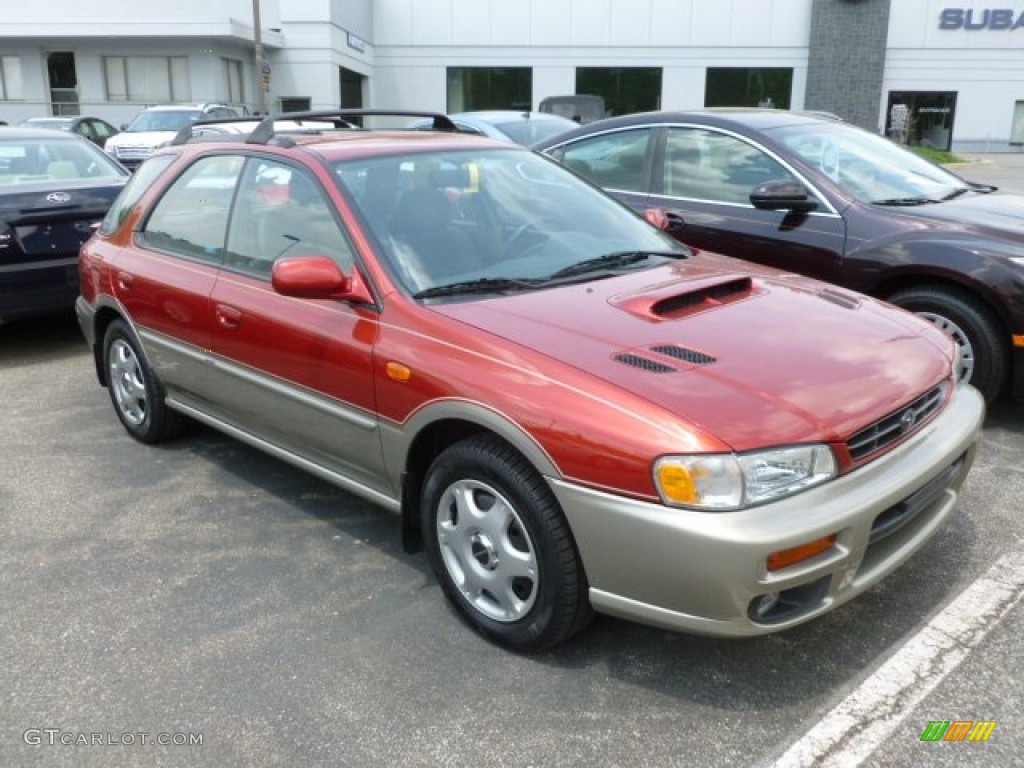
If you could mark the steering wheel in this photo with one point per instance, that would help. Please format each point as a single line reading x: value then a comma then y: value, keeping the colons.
x: 520, y: 232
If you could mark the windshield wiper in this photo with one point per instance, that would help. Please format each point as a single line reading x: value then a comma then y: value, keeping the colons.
x: 480, y: 285
x: 610, y: 261
x: 906, y: 201
x: 956, y: 193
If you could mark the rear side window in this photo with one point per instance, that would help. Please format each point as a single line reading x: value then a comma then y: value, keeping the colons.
x: 610, y: 160
x: 139, y: 183
x: 191, y: 218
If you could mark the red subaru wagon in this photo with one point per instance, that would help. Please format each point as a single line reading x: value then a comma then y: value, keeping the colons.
x: 570, y: 411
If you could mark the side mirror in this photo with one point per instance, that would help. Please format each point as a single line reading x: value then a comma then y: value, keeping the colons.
x: 318, y: 277
x: 782, y: 195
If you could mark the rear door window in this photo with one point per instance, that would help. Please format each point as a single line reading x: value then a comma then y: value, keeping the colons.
x: 191, y: 218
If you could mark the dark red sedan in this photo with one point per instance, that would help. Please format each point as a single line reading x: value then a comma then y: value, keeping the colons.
x: 569, y: 410
x: 815, y: 195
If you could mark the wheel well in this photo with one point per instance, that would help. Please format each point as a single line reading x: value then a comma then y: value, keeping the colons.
x: 104, y: 317
x: 887, y: 288
x: 426, y: 447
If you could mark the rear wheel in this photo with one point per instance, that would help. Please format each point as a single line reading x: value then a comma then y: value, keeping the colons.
x: 135, y: 391
x: 501, y: 547
x: 983, y: 357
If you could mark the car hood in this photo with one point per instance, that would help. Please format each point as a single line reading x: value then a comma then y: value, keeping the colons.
x: 994, y: 214
x: 752, y: 357
x: 141, y: 138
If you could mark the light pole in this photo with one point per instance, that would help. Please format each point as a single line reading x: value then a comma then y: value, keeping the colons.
x: 261, y: 66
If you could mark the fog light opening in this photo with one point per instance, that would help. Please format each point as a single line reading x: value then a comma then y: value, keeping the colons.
x: 776, y: 607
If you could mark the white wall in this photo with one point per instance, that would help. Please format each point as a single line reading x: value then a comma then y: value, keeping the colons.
x: 208, y: 82
x: 984, y: 67
x: 416, y: 40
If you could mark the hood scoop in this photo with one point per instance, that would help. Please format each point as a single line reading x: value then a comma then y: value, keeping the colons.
x: 668, y: 302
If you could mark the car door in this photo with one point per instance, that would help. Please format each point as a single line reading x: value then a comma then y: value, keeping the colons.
x: 164, y: 281
x: 703, y: 180
x: 294, y: 372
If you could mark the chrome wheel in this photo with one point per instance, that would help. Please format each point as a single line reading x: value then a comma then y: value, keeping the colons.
x: 487, y: 551
x: 965, y: 364
x: 127, y: 383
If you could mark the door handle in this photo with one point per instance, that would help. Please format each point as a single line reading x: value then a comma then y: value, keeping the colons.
x: 125, y: 280
x: 674, y: 221
x: 228, y: 317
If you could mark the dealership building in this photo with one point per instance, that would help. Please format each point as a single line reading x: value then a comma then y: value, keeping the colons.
x: 945, y: 73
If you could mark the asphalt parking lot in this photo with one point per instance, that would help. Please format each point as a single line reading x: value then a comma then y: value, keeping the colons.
x: 201, y: 591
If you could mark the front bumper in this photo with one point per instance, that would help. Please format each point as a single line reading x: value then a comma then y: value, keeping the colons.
x: 706, y: 573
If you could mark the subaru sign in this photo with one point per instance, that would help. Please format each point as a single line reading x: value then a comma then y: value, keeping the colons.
x: 974, y: 18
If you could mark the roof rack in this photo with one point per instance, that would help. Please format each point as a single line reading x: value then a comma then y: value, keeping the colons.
x: 185, y: 133
x: 264, y: 132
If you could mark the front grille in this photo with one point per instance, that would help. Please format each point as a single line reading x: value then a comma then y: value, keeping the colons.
x: 133, y: 152
x: 896, y: 425
x: 644, y: 363
x: 682, y: 353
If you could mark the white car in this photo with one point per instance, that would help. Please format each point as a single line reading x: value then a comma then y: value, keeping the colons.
x: 155, y: 126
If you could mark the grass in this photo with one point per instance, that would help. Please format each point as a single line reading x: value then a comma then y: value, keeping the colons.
x: 937, y: 155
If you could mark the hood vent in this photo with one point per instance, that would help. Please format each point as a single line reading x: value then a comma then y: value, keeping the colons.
x: 844, y: 300
x: 691, y: 356
x: 710, y: 295
x: 644, y: 363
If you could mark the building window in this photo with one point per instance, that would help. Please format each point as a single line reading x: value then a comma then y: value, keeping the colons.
x: 10, y: 78
x: 471, y: 88
x: 233, y: 76
x: 921, y: 118
x: 625, y: 90
x: 748, y: 87
x: 1017, y: 129
x: 147, y: 79
x: 295, y: 104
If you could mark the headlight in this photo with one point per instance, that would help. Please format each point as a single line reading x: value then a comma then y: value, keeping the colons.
x: 725, y: 481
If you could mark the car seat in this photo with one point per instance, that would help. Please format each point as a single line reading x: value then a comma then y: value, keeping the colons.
x: 424, y: 222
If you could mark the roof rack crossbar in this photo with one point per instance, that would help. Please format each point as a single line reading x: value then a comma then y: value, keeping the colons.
x: 185, y: 132
x: 265, y: 130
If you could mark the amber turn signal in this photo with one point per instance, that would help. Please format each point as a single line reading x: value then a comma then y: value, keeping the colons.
x: 786, y: 557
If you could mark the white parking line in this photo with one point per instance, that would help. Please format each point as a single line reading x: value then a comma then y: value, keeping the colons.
x: 863, y: 720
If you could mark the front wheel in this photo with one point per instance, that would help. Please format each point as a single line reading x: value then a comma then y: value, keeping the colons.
x: 983, y: 356
x: 501, y: 547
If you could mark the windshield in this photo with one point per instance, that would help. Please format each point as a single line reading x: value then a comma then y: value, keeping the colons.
x: 495, y: 220
x: 869, y: 167
x: 163, y: 120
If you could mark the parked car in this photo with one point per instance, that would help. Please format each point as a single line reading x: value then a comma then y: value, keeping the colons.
x: 92, y: 128
x: 581, y: 108
x: 53, y: 188
x: 569, y: 409
x: 815, y: 195
x: 155, y: 126
x: 508, y: 125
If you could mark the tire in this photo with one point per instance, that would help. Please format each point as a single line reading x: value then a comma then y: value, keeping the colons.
x: 501, y: 547
x: 984, y: 358
x: 135, y: 391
